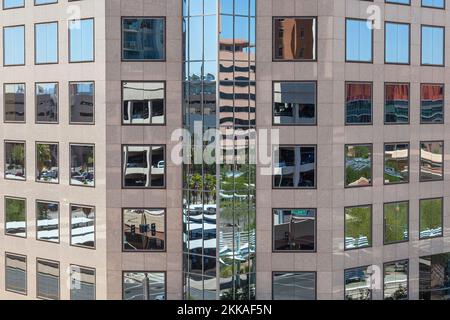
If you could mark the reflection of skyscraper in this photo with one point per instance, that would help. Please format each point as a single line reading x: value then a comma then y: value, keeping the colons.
x: 219, y: 199
x: 295, y: 38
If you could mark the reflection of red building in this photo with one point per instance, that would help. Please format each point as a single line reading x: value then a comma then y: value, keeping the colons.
x: 294, y: 38
x: 432, y: 92
x: 397, y: 92
x: 358, y: 92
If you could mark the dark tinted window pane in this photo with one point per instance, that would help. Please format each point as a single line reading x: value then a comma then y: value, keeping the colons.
x: 358, y: 284
x: 82, y: 283
x: 47, y: 102
x: 144, y: 166
x: 82, y: 226
x: 294, y: 286
x: 294, y: 229
x: 15, y: 161
x: 144, y: 286
x: 396, y: 163
x: 143, y: 103
x: 431, y: 211
x: 294, y: 103
x: 396, y: 222
x: 432, y: 103
x: 396, y: 280
x: 47, y: 273
x: 47, y: 168
x: 82, y: 165
x: 358, y: 103
x: 396, y: 106
x: 14, y: 102
x: 143, y: 39
x: 144, y: 229
x: 358, y: 227
x: 358, y: 165
x: 82, y: 102
x: 296, y: 167
x: 434, y: 275
x: 47, y: 221
x: 431, y: 157
x: 295, y: 39
x: 16, y: 273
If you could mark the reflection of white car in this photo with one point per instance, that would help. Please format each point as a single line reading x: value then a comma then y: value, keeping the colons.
x: 161, y: 164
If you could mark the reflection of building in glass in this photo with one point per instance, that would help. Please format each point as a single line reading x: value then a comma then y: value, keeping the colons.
x: 295, y: 38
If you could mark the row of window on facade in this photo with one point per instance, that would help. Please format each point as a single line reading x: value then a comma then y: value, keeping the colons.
x: 297, y: 164
x: 296, y: 39
x: 82, y: 286
x: 144, y: 166
x: 294, y: 103
x: 143, y: 103
x: 361, y: 282
x: 142, y: 39
x: 143, y: 229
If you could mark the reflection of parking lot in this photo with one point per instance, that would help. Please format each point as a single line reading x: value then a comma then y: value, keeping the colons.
x: 144, y: 286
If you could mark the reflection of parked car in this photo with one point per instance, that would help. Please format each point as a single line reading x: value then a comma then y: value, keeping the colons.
x: 355, y: 276
x: 50, y: 174
x: 161, y: 164
x: 85, y: 176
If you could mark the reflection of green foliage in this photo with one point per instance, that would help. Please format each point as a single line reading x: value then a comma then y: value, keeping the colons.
x: 15, y: 210
x: 430, y: 214
x: 396, y: 221
x: 358, y: 222
x: 354, y: 175
x: 18, y: 154
x: 43, y: 155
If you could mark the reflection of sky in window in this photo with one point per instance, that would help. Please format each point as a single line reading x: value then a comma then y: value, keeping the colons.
x: 398, y: 1
x: 432, y: 45
x: 433, y: 3
x: 82, y: 40
x: 14, y: 45
x: 397, y: 43
x: 13, y: 3
x: 358, y: 41
x: 46, y: 43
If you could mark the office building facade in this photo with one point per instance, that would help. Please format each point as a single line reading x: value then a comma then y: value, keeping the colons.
x: 95, y: 203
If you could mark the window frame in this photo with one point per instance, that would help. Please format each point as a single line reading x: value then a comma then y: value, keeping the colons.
x: 442, y: 218
x: 385, y: 84
x: 345, y: 103
x: 24, y: 160
x: 422, y: 84
x: 316, y: 46
x: 24, y: 103
x: 93, y: 107
x: 384, y: 162
x: 37, y: 280
x: 24, y: 46
x: 371, y: 226
x: 140, y: 271
x: 345, y: 43
x: 407, y: 277
x: 70, y: 277
x: 80, y: 144
x: 420, y: 160
x: 294, y: 272
x: 8, y: 253
x: 59, y: 220
x: 93, y: 248
x: 69, y: 39
x: 371, y: 165
x: 409, y: 42
x: 443, y: 46
x: 35, y: 41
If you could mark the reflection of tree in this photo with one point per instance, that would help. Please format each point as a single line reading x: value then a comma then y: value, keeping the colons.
x: 17, y: 155
x: 396, y: 221
x: 198, y: 184
x: 15, y: 210
x: 43, y: 158
x: 358, y: 223
x: 430, y: 214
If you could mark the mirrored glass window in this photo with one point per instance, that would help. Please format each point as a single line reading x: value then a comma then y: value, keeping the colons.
x: 82, y: 165
x: 399, y: 1
x: 82, y: 101
x: 358, y: 284
x: 431, y: 218
x: 82, y: 226
x: 144, y: 286
x: 46, y: 43
x: 358, y: 103
x: 9, y: 4
x: 396, y: 43
x: 396, y: 105
x: 358, y: 165
x: 14, y: 102
x: 358, y: 41
x: 47, y: 164
x: 14, y: 46
x: 143, y: 103
x: 47, y: 284
x: 143, y: 39
x: 433, y: 45
x: 82, y: 283
x: 295, y: 38
x: 396, y: 280
x: 15, y: 273
x: 15, y: 217
x: 294, y: 103
x: 15, y: 168
x: 434, y: 272
x: 396, y: 222
x: 296, y: 167
x: 358, y: 227
x: 47, y: 221
x: 294, y: 286
x: 294, y: 229
x: 396, y: 163
x: 144, y: 166
x: 144, y: 229
x: 81, y: 40
x: 432, y: 103
x: 431, y: 161
x: 434, y: 3
x: 47, y: 96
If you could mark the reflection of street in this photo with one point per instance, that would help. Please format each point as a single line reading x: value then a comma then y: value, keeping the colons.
x: 144, y: 286
x: 294, y: 286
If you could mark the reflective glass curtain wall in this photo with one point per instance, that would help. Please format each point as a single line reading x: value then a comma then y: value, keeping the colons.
x: 219, y: 197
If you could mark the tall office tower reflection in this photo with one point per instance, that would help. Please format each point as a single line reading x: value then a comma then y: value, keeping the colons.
x: 219, y: 200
